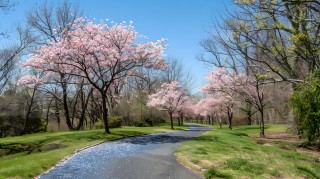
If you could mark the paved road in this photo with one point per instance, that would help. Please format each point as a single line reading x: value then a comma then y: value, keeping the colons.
x: 144, y: 157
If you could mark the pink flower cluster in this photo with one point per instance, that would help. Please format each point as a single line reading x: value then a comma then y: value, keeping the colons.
x: 97, y: 52
x: 169, y: 98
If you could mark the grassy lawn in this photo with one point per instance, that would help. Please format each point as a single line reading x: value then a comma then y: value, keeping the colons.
x: 222, y: 153
x: 30, y: 155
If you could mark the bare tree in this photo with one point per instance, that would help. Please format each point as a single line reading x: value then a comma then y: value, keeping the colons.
x: 176, y: 72
x: 5, y: 6
x: 48, y: 23
x: 11, y: 55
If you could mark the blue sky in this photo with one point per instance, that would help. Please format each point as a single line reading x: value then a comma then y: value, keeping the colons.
x: 183, y: 22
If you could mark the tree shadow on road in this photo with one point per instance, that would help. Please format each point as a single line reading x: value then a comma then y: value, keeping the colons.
x: 167, y: 138
x: 156, y: 139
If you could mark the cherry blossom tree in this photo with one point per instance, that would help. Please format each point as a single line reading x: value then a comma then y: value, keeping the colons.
x: 99, y: 54
x: 205, y: 108
x: 235, y: 87
x: 189, y: 110
x: 252, y: 90
x: 221, y: 85
x: 168, y: 98
x: 186, y: 109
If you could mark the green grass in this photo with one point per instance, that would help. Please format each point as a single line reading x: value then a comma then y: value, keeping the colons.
x: 233, y: 154
x: 30, y: 155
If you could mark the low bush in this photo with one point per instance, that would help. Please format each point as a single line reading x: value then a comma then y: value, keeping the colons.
x: 139, y: 124
x: 113, y: 122
x: 306, y: 106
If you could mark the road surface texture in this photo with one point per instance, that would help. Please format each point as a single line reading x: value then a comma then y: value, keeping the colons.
x: 143, y: 157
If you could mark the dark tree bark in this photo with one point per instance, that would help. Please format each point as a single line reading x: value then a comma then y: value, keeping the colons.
x: 105, y: 112
x: 65, y: 104
x: 181, y: 119
x: 171, y: 121
x: 30, y: 105
x: 48, y: 113
x: 83, y: 112
x: 230, y: 116
x: 262, y: 124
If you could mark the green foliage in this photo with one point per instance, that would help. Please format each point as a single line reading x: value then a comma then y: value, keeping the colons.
x: 139, y: 124
x: 306, y: 105
x: 247, y: 2
x: 7, y: 123
x: 113, y: 121
x: 35, y: 123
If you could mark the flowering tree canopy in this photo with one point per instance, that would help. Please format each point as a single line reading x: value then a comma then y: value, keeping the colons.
x: 100, y: 54
x: 238, y: 87
x: 232, y: 85
x: 221, y: 85
x: 168, y: 98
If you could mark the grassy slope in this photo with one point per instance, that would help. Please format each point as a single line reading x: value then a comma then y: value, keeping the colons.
x: 232, y: 154
x: 35, y: 153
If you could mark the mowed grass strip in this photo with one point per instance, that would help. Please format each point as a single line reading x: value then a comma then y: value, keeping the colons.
x: 30, y: 155
x: 222, y: 153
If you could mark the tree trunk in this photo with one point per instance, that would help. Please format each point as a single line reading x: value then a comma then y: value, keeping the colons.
x: 27, y: 116
x: 230, y: 115
x: 230, y: 123
x: 83, y: 112
x: 249, y: 113
x: 249, y: 119
x: 179, y: 122
x: 171, y: 122
x: 65, y: 106
x: 57, y: 113
x: 181, y: 119
x: 262, y: 125
x: 105, y: 113
x: 47, y: 114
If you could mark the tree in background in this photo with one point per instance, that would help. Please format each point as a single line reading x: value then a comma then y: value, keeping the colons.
x: 221, y: 84
x: 185, y: 109
x: 168, y: 98
x: 177, y: 72
x: 238, y: 88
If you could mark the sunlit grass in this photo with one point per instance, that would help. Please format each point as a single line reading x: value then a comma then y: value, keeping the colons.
x: 233, y: 154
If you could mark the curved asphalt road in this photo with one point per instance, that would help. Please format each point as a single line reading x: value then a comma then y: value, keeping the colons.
x: 144, y: 157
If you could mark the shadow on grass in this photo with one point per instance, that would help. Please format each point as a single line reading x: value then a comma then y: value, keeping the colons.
x: 238, y: 133
x: 308, y: 172
x: 248, y: 127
